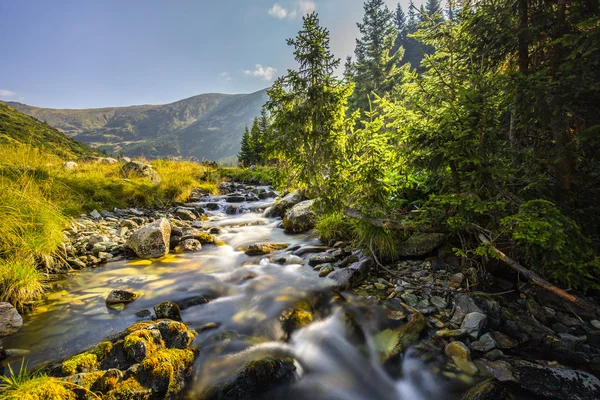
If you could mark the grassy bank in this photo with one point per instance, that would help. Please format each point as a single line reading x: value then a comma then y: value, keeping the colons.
x: 38, y: 196
x: 256, y: 176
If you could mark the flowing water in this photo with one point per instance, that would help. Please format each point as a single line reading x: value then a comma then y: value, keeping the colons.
x: 334, y: 359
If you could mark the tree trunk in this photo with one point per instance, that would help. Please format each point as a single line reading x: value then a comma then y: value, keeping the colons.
x: 523, y: 37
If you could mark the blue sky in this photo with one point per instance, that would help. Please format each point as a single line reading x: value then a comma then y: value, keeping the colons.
x: 81, y: 54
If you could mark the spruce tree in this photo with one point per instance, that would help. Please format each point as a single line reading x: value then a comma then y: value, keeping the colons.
x: 411, y: 25
x: 246, y: 152
x: 308, y: 108
x: 376, y: 59
x: 433, y: 7
x: 400, y: 22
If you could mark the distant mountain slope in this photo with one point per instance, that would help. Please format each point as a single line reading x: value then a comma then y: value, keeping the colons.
x: 16, y: 127
x: 208, y: 126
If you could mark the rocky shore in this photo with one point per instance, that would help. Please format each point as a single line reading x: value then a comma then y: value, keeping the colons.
x: 491, y: 338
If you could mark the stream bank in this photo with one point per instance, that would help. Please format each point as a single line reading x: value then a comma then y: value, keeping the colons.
x: 264, y: 308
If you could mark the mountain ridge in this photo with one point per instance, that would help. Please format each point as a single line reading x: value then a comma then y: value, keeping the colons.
x: 205, y: 126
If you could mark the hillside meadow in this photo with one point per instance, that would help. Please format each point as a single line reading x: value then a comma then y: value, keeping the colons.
x: 38, y: 197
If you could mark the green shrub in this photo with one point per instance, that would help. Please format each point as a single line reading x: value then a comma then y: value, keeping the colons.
x: 553, y: 244
x: 335, y: 226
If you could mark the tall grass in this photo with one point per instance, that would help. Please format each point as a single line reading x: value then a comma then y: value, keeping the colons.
x: 256, y: 176
x: 38, y: 196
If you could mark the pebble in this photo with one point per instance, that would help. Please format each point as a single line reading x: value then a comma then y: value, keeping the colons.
x: 484, y: 344
x: 474, y: 323
x: 595, y: 323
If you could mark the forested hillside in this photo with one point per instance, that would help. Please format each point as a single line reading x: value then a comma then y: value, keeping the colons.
x: 479, y: 119
x: 207, y: 126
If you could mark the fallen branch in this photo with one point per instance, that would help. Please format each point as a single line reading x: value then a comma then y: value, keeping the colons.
x: 536, y: 279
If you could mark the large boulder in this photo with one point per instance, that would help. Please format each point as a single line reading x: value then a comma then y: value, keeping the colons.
x: 554, y: 383
x: 300, y: 218
x: 10, y: 319
x: 136, y: 168
x: 421, y: 244
x: 279, y: 209
x: 152, y: 240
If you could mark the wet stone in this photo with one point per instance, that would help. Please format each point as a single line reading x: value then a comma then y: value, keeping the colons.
x: 10, y: 319
x: 325, y: 270
x: 474, y: 323
x: 143, y: 314
x: 438, y: 302
x: 169, y: 310
x: 484, y: 344
x: 457, y: 349
x: 322, y: 258
x: 410, y: 299
x: 121, y: 296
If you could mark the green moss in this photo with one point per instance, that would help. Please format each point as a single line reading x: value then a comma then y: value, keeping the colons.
x: 129, y: 389
x: 204, y: 238
x: 168, y: 367
x: 296, y: 319
x: 42, y: 387
x: 102, y: 350
x: 85, y: 362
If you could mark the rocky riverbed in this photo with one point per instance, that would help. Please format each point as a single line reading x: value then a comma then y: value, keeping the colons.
x: 264, y: 289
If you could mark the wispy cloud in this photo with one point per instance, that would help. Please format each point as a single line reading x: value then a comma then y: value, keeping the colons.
x: 278, y: 12
x: 7, y: 93
x: 307, y: 6
x: 264, y: 73
x: 225, y: 76
x: 298, y: 8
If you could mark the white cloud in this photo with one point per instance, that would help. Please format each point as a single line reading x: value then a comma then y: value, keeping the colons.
x: 7, y: 93
x: 264, y: 73
x: 307, y: 6
x: 278, y: 12
x: 302, y: 7
x: 225, y: 75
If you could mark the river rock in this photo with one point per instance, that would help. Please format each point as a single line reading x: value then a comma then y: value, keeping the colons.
x: 279, y: 209
x: 253, y: 379
x: 484, y: 344
x: 322, y: 258
x: 168, y: 310
x: 136, y: 168
x: 235, y: 199
x: 212, y: 206
x: 152, y: 240
x: 325, y: 270
x: 259, y: 249
x: 188, y: 245
x: 474, y: 323
x: 347, y: 278
x: 10, y: 319
x: 185, y: 214
x: 300, y: 218
x: 488, y: 390
x: 119, y: 296
x: 421, y: 244
x: 555, y: 383
x: 457, y: 349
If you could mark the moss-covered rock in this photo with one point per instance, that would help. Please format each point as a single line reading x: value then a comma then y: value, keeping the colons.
x: 253, y: 378
x: 295, y: 319
x: 421, y: 244
x: 169, y: 310
x: 150, y: 359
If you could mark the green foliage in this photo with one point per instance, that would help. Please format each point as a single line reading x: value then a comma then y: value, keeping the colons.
x: 335, y: 226
x: 553, y: 244
x: 376, y: 69
x: 308, y: 107
x: 256, y: 176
